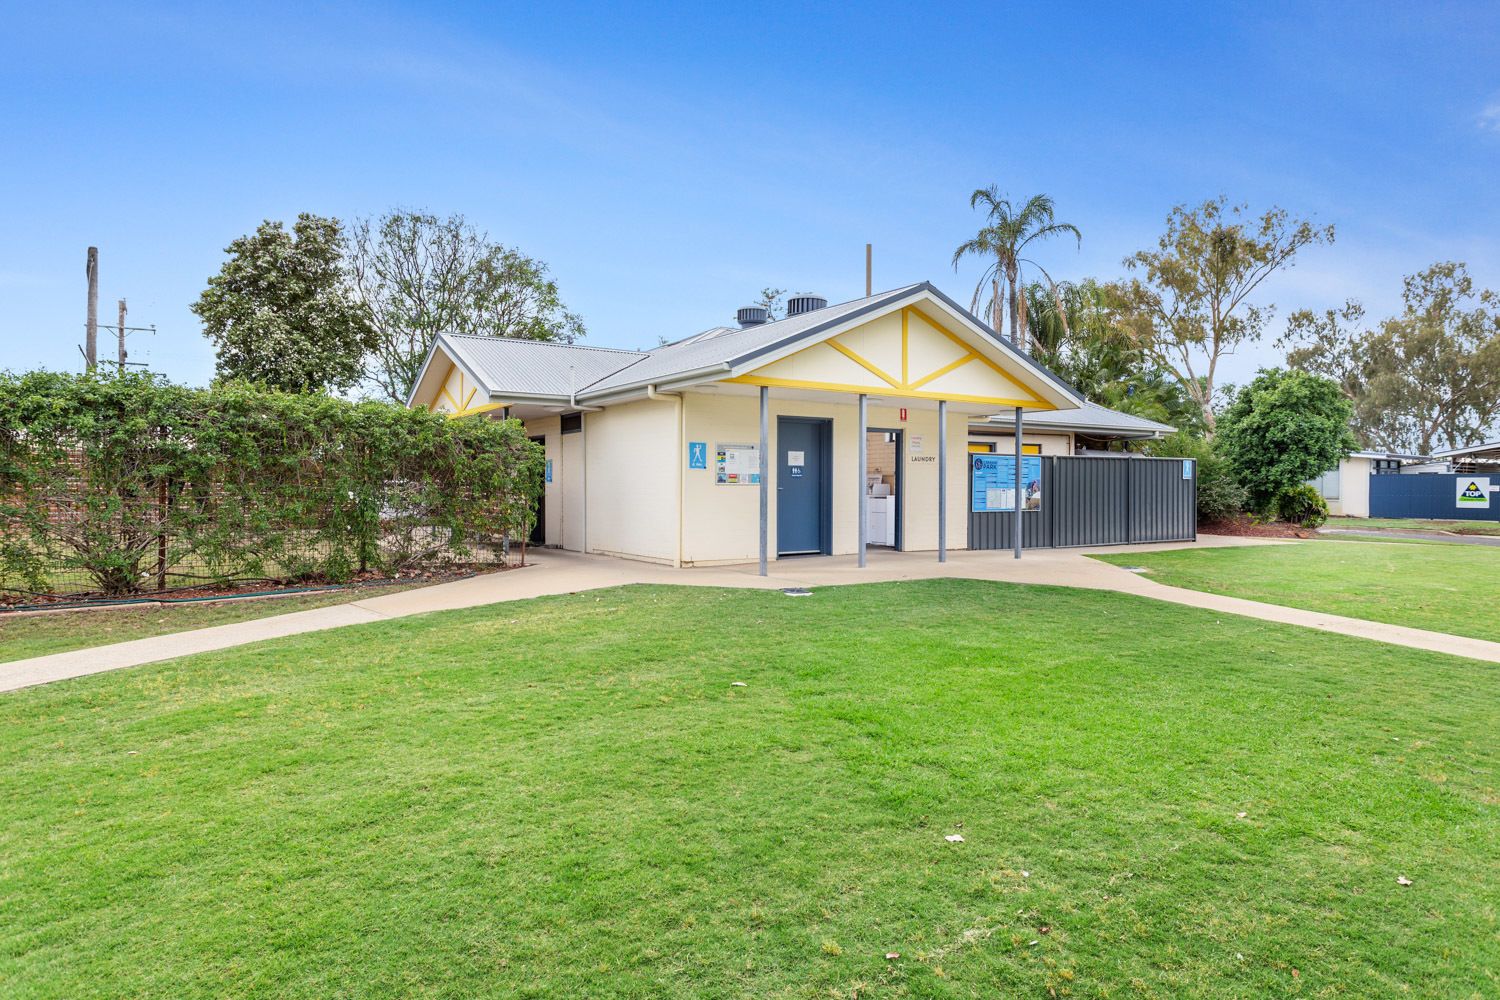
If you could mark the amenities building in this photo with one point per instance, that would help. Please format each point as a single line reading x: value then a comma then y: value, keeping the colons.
x: 836, y: 428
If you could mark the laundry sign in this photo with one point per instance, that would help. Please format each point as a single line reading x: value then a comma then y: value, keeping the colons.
x: 1473, y: 492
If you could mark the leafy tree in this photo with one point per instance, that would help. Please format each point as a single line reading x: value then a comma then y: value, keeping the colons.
x: 1007, y: 232
x: 1429, y: 377
x: 1283, y: 429
x: 279, y: 312
x: 418, y: 275
x: 1073, y: 332
x: 1187, y: 306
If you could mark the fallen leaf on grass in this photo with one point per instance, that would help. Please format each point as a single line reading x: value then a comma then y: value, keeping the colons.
x: 891, y: 956
x: 954, y: 838
x: 1402, y: 880
x: 738, y: 684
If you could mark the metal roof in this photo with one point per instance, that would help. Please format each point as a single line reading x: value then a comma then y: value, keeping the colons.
x: 1089, y: 417
x: 534, y: 367
x: 512, y: 368
x: 733, y: 347
x: 1471, y: 451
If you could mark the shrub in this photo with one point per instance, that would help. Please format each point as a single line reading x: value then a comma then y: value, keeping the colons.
x: 1220, y: 496
x: 118, y: 477
x: 1303, y: 505
x: 1283, y: 429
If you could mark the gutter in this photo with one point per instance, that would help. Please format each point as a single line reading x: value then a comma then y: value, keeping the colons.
x: 679, y: 378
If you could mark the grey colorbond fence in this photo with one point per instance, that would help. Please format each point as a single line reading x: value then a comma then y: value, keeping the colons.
x: 1428, y: 495
x: 1100, y: 501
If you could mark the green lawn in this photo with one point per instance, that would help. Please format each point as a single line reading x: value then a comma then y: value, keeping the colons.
x: 567, y: 798
x: 1416, y: 524
x: 1447, y: 588
x: 22, y: 636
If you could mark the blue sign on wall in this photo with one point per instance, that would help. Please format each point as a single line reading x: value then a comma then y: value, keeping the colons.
x: 697, y: 454
x: 549, y: 470
x: 1187, y: 468
x: 993, y: 486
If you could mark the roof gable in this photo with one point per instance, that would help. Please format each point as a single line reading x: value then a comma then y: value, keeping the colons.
x: 904, y: 353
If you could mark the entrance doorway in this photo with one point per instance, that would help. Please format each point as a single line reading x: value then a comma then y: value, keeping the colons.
x: 804, y: 486
x: 883, y: 451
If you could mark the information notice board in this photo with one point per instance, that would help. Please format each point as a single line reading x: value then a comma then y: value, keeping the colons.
x: 993, y: 485
x: 737, y: 464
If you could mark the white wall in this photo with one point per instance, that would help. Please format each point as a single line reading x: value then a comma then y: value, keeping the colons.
x: 722, y: 522
x: 570, y: 470
x: 632, y: 480
x: 1354, y: 489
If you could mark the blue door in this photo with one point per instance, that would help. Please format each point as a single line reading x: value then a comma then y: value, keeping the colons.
x: 804, y: 511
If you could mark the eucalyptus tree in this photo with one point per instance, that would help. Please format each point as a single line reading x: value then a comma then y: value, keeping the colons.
x: 418, y: 275
x: 1002, y: 243
x: 1187, y: 304
x: 1073, y: 331
x: 1426, y: 378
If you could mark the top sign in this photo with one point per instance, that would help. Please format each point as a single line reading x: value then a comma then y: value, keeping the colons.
x: 1473, y: 492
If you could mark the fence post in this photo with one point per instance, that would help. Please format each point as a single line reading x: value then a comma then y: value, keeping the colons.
x: 1129, y: 499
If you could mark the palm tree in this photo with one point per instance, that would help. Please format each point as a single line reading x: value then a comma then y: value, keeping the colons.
x: 1001, y: 242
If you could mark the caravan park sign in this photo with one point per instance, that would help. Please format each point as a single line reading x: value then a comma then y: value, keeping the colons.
x: 1473, y: 492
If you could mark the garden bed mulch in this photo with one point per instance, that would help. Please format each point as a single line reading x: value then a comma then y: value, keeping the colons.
x: 1248, y: 527
x: 16, y: 604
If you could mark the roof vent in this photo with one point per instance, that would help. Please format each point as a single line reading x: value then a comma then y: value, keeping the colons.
x: 799, y: 304
x: 752, y: 316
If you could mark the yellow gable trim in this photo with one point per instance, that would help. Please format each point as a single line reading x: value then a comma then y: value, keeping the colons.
x: 888, y: 393
x: 806, y: 369
x: 482, y: 408
x: 456, y: 395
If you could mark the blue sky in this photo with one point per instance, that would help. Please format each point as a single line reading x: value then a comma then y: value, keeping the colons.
x: 669, y: 161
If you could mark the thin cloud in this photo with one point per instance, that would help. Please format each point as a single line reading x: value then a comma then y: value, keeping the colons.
x: 1489, y: 118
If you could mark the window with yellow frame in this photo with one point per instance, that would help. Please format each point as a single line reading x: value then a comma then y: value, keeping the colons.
x: 988, y: 448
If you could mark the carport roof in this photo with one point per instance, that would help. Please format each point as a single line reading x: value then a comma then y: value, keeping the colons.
x: 1089, y: 417
x: 1488, y: 451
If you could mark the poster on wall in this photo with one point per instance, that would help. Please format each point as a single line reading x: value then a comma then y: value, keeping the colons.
x: 993, y: 484
x: 737, y: 464
x: 1473, y: 493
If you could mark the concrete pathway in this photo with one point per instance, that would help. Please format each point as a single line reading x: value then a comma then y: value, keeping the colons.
x: 1429, y: 536
x: 554, y: 572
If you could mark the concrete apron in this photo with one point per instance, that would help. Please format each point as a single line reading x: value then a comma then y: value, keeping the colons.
x: 555, y: 572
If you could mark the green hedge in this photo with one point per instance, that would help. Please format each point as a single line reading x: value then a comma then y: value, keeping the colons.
x: 97, y: 473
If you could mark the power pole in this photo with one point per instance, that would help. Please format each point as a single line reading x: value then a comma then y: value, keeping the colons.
x: 122, y: 336
x: 91, y: 350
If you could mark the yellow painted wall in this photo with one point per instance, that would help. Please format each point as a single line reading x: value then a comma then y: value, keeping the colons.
x: 722, y: 522
x: 632, y: 480
x: 1051, y: 444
